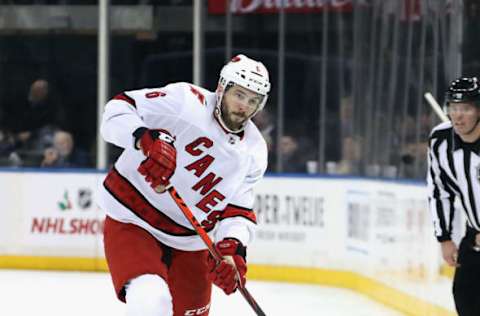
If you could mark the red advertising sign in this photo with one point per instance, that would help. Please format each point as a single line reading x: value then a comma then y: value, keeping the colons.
x: 273, y: 6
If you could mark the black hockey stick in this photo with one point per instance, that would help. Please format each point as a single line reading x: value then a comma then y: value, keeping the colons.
x: 211, y: 247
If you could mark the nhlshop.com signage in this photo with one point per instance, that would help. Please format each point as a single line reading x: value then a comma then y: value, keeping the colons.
x: 53, y: 214
x: 72, y: 213
x: 66, y: 226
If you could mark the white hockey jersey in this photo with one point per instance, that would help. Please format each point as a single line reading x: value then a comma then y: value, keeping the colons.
x: 215, y: 175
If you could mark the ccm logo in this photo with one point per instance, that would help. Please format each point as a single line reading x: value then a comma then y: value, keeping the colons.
x: 198, y: 311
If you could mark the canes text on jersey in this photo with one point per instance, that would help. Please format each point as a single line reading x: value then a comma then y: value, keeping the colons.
x: 207, y: 182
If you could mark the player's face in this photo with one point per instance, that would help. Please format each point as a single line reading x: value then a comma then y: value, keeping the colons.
x: 238, y: 105
x: 464, y: 116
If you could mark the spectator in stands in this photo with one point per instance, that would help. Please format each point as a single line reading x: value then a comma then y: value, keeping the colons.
x: 352, y: 154
x: 6, y: 142
x: 413, y: 159
x: 8, y: 157
x: 346, y: 117
x: 63, y: 154
x: 413, y: 153
x: 264, y: 121
x: 40, y: 117
x: 295, y: 152
x: 351, y: 145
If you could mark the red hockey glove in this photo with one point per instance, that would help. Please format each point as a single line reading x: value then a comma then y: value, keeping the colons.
x: 224, y: 274
x: 157, y: 146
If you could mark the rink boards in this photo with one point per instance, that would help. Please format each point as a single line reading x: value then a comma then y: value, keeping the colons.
x: 372, y: 236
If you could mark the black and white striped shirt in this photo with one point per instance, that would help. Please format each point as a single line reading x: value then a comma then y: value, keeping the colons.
x: 453, y: 171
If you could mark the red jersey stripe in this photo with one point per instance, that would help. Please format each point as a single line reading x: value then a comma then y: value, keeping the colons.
x: 233, y: 211
x: 122, y: 96
x: 127, y: 195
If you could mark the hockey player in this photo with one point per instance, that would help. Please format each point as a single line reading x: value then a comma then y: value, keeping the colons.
x: 205, y: 145
x: 454, y: 172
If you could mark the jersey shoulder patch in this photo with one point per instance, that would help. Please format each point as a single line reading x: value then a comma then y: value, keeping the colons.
x: 188, y: 93
x: 200, y: 96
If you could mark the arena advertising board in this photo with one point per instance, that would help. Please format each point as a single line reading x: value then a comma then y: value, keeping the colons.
x: 291, y: 216
x: 274, y: 6
x: 56, y: 215
x: 383, y: 220
x: 304, y: 222
x: 345, y: 224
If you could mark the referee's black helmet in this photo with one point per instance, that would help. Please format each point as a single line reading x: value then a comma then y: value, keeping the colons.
x: 465, y: 89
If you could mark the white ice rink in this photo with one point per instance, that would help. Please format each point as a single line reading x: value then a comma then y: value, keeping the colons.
x: 26, y: 293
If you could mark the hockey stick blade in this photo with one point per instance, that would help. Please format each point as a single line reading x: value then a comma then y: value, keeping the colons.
x: 210, y: 246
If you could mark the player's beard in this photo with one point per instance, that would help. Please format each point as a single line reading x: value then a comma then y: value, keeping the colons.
x: 233, y: 120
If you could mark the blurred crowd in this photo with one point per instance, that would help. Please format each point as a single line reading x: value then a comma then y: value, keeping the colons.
x: 34, y: 133
x: 344, y: 110
x: 299, y: 152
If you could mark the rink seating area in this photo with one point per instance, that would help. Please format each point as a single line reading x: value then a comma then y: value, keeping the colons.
x: 371, y: 236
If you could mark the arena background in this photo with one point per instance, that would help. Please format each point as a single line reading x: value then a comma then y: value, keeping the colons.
x: 346, y: 125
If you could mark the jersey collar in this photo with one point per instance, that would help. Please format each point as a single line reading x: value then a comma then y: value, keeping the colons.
x: 458, y: 143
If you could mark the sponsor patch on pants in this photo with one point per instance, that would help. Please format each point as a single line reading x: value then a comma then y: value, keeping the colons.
x: 197, y: 311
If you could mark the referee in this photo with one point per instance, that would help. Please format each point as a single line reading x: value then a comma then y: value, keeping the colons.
x: 454, y: 171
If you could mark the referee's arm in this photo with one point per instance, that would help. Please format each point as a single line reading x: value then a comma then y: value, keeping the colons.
x: 440, y: 195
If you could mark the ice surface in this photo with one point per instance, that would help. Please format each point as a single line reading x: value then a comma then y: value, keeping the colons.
x: 26, y: 293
